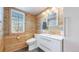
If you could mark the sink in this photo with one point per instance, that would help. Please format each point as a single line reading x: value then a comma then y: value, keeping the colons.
x: 58, y: 37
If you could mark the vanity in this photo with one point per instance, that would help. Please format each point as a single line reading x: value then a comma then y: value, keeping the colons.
x: 50, y: 43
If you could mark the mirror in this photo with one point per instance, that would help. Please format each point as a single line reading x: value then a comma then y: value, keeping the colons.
x: 52, y: 20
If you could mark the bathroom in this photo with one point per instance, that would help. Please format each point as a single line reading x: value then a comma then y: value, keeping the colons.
x: 37, y: 29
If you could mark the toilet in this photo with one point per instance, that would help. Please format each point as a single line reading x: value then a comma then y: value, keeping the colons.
x: 32, y: 44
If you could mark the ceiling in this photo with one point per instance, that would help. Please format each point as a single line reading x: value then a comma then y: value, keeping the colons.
x: 32, y: 10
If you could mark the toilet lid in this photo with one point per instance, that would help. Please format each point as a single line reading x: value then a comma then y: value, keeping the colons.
x: 31, y: 40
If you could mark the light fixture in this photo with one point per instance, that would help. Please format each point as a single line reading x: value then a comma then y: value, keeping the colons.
x: 54, y: 9
x: 47, y: 11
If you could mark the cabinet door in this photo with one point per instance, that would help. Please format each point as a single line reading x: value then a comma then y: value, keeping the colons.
x: 49, y: 44
x: 71, y: 42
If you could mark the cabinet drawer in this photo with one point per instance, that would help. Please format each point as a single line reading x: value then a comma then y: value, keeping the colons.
x: 53, y: 45
x: 15, y: 47
x: 44, y: 47
x: 45, y: 41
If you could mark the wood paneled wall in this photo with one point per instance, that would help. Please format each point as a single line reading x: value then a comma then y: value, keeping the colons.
x: 1, y: 45
x: 56, y: 30
x: 30, y: 24
x: 6, y: 21
x: 14, y: 42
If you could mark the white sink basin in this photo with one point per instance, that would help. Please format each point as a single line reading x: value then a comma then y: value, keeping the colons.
x: 58, y: 37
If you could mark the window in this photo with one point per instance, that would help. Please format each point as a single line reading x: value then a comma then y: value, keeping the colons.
x: 17, y: 21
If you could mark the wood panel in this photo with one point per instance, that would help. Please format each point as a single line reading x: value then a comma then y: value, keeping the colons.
x: 6, y: 20
x: 15, y: 47
x: 1, y: 45
x: 30, y: 24
x: 55, y: 30
x: 13, y: 43
x: 16, y: 41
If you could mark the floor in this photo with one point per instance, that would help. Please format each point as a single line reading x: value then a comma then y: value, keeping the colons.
x: 26, y: 50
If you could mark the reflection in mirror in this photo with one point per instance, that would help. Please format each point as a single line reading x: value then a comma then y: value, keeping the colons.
x: 44, y: 25
x: 52, y: 21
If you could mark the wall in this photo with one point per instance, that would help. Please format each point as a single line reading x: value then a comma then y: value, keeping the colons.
x: 18, y: 39
x: 30, y: 22
x: 1, y: 29
x: 71, y: 42
x: 44, y: 14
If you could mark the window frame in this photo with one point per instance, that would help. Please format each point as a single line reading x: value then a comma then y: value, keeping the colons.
x: 23, y: 24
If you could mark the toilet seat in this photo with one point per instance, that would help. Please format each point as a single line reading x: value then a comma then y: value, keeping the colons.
x: 32, y: 44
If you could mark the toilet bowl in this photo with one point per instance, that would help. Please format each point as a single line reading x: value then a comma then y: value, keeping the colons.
x: 32, y: 44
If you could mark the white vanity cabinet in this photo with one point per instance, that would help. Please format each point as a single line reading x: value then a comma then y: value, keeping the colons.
x: 50, y: 43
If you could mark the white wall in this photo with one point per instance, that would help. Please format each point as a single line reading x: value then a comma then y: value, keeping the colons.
x: 71, y: 42
x: 1, y: 22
